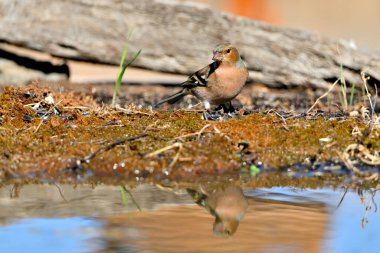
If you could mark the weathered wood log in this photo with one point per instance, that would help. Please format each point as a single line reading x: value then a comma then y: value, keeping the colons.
x: 16, y: 69
x: 179, y: 37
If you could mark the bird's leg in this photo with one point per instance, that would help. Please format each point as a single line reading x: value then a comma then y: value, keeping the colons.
x: 206, y: 114
x: 228, y: 108
x: 219, y: 107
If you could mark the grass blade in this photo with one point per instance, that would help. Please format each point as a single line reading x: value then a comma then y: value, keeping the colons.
x: 134, y: 58
x: 352, y: 94
x: 124, y: 192
x: 124, y: 196
x: 123, y: 67
x: 125, y: 51
x: 343, y: 88
x: 121, y: 74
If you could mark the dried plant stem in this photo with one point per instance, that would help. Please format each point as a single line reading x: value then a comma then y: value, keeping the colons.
x: 198, y: 134
x: 161, y: 150
x: 112, y: 145
x: 324, y: 95
x: 91, y: 156
x: 179, y: 145
x: 372, y: 105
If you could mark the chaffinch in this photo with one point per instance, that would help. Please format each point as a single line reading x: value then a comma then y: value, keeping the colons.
x: 218, y: 83
x: 226, y: 203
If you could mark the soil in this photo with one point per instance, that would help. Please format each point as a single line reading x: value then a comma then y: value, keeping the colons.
x: 67, y: 132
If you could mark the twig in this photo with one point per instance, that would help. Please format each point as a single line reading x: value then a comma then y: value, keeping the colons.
x: 284, y: 124
x: 39, y: 125
x: 112, y: 145
x: 349, y: 164
x: 60, y: 192
x: 344, y: 195
x: 161, y: 150
x: 202, y: 130
x: 179, y: 145
x: 324, y: 95
x: 75, y: 107
x: 373, y: 193
x: 88, y: 158
x: 15, y: 191
x: 372, y: 105
x: 364, y: 78
x: 364, y: 154
x: 198, y: 133
x: 49, y: 111
x: 130, y: 112
x: 222, y: 134
x: 175, y: 159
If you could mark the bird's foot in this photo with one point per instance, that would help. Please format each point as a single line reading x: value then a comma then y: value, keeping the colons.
x: 205, y: 115
x: 228, y: 111
x: 208, y: 115
x: 217, y: 115
x: 231, y: 115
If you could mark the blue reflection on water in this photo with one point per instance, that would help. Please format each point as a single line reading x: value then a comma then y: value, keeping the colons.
x: 49, y: 235
x: 346, y: 234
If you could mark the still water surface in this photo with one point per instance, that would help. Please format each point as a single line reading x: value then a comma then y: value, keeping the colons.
x: 47, y: 218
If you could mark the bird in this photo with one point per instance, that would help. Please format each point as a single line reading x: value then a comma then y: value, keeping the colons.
x: 226, y: 203
x: 217, y: 83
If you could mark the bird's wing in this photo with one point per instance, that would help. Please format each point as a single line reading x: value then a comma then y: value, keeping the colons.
x: 200, y: 78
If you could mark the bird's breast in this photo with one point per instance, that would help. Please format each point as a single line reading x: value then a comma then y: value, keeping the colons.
x: 228, y: 83
x: 223, y: 85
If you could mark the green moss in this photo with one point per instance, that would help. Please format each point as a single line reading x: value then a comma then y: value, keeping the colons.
x: 46, y: 150
x: 277, y: 145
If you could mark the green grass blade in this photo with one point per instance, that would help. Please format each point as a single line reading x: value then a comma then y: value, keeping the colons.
x: 134, y: 58
x: 125, y: 51
x: 124, y: 55
x: 121, y: 74
x: 123, y: 67
x: 343, y: 88
x: 123, y: 192
x: 352, y: 94
x: 130, y: 33
x: 341, y: 98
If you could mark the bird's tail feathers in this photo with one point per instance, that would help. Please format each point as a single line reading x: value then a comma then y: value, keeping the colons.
x: 173, y: 98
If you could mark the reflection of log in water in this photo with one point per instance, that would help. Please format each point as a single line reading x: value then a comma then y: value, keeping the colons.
x: 64, y: 200
x: 170, y: 222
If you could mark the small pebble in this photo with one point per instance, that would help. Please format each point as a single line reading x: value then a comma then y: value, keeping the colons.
x: 27, y: 118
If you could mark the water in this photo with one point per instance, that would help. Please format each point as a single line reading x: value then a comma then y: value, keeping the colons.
x: 203, y: 218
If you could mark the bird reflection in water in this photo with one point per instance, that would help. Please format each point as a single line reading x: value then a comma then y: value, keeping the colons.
x: 226, y: 203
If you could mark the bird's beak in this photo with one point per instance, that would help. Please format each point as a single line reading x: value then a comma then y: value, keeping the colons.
x: 217, y: 56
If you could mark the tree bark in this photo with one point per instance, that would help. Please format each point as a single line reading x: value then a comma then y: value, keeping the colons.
x: 179, y: 37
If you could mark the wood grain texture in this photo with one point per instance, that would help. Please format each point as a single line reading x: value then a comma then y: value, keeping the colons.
x: 179, y: 37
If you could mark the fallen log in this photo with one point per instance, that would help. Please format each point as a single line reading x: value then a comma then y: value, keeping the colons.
x: 178, y: 37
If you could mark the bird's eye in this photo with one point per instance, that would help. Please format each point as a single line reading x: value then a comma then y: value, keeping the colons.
x: 228, y: 51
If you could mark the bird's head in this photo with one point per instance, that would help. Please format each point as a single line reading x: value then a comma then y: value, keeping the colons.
x: 226, y: 53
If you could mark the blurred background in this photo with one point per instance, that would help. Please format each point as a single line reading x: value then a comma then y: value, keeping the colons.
x: 355, y: 20
x: 352, y: 20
